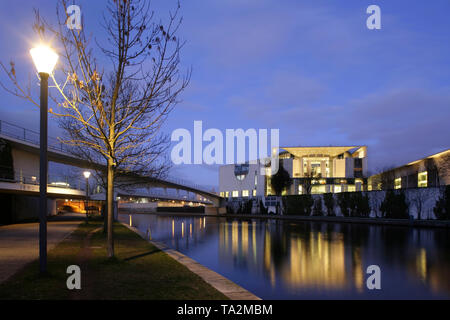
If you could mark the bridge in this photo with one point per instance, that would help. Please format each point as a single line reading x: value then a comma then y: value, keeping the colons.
x: 25, y: 180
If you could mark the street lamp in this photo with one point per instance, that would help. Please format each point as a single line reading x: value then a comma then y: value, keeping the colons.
x: 87, y: 174
x: 45, y: 60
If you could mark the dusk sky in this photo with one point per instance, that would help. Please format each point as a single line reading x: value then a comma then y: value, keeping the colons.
x: 309, y: 68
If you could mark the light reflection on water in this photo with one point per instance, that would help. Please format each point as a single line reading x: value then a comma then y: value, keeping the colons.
x: 284, y: 260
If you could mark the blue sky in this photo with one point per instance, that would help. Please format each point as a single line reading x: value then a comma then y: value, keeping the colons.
x: 310, y: 68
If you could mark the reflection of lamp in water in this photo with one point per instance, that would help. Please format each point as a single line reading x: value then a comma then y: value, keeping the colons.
x: 173, y: 228
x: 244, y: 233
x: 190, y: 229
x: 182, y: 229
x: 131, y: 221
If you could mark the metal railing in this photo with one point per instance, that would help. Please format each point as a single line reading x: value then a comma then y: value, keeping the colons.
x: 23, y: 134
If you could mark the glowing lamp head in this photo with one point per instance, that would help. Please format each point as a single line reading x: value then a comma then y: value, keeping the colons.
x: 87, y: 174
x: 44, y: 59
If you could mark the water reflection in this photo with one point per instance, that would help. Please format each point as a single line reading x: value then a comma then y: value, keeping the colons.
x: 285, y: 260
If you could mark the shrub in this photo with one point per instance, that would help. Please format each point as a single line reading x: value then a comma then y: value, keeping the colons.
x: 354, y: 204
x: 247, y: 207
x: 344, y: 202
x: 328, y: 199
x: 360, y: 206
x: 394, y: 205
x: 298, y: 204
x: 442, y: 207
x: 317, y: 209
x: 262, y: 208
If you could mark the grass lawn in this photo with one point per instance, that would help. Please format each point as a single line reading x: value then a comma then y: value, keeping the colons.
x: 139, y: 271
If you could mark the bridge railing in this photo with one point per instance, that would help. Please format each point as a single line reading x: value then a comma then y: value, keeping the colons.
x: 187, y: 183
x: 20, y: 133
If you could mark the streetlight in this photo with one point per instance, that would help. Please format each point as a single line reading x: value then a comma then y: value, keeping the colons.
x: 45, y: 60
x: 87, y: 174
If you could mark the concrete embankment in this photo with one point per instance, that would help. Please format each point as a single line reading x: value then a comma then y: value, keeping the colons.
x: 375, y: 221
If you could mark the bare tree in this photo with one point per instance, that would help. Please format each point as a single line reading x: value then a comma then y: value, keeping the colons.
x: 307, y: 180
x: 113, y: 97
x: 418, y: 198
x: 384, y: 179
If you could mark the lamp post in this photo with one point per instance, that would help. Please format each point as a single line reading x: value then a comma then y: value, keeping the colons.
x: 45, y: 60
x: 87, y: 174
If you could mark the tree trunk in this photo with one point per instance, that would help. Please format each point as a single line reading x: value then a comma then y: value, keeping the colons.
x: 105, y: 214
x: 110, y: 208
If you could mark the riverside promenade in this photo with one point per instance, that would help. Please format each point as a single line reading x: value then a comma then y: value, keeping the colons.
x: 19, y: 243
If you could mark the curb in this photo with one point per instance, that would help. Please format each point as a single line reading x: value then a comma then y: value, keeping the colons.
x: 219, y: 282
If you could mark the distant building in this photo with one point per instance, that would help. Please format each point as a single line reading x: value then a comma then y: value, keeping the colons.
x: 431, y: 171
x: 312, y: 169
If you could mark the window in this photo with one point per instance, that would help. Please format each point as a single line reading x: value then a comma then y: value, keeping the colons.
x: 235, y: 194
x: 351, y: 188
x: 337, y: 189
x: 245, y: 193
x: 398, y: 183
x: 256, y: 178
x: 254, y: 192
x: 227, y: 194
x: 317, y: 189
x: 422, y: 179
x: 221, y: 194
x: 300, y: 189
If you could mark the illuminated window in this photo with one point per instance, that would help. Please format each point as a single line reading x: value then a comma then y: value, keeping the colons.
x: 317, y: 189
x: 235, y: 194
x: 227, y: 194
x: 337, y: 189
x: 254, y: 192
x: 300, y: 189
x: 351, y: 188
x: 422, y: 179
x: 398, y: 183
x: 221, y: 194
x: 245, y: 193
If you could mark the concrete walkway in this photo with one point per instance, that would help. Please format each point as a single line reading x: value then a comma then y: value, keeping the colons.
x: 19, y: 243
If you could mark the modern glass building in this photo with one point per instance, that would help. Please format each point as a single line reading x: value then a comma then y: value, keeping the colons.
x: 312, y: 169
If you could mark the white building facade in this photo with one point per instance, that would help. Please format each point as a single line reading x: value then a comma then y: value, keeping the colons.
x: 312, y: 170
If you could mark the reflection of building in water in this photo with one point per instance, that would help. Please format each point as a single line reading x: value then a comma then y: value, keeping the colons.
x: 315, y: 262
x: 238, y: 244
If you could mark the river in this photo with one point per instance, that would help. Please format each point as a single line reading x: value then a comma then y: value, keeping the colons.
x: 280, y: 259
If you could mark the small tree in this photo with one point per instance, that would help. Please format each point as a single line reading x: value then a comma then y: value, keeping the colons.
x: 394, y: 205
x: 419, y: 197
x: 442, y: 208
x: 360, y: 205
x: 328, y: 199
x: 280, y: 180
x: 344, y: 203
x: 317, y: 209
